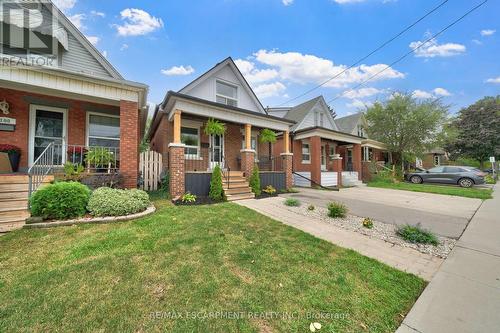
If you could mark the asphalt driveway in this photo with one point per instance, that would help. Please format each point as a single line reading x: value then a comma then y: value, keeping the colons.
x: 443, y: 214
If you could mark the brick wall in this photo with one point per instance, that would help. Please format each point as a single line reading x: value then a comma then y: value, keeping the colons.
x: 356, y: 160
x: 288, y: 168
x: 129, y: 142
x: 315, y: 143
x: 177, y: 177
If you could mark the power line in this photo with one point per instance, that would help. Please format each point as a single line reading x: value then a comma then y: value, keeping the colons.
x: 408, y: 53
x: 369, y: 54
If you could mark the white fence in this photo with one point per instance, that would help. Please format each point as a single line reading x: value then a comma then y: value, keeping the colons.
x: 150, y: 166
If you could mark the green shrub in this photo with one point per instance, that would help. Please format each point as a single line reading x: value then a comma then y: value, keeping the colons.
x: 368, y: 223
x: 61, y: 200
x: 336, y: 209
x: 269, y: 189
x: 216, y: 190
x: 106, y: 201
x: 188, y: 198
x: 489, y: 179
x: 255, y: 181
x: 415, y: 234
x: 292, y: 202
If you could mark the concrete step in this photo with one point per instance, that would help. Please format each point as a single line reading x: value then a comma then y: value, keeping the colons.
x: 9, y: 196
x: 10, y: 226
x: 235, y: 173
x: 13, y: 187
x: 14, y: 216
x: 21, y: 179
x: 13, y: 205
x: 240, y: 196
x: 238, y: 190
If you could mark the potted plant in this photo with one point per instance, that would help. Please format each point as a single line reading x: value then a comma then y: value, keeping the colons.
x: 99, y: 158
x: 76, y: 154
x: 267, y: 136
x: 214, y: 127
x: 14, y: 155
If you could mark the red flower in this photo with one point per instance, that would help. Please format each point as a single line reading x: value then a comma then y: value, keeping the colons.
x: 5, y: 148
x: 77, y: 150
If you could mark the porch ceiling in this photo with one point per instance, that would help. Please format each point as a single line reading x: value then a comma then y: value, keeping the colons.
x: 198, y: 107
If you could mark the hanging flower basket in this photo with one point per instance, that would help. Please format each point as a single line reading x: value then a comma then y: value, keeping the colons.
x: 215, y: 127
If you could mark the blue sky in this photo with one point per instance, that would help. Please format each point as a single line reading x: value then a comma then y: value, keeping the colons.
x: 285, y: 47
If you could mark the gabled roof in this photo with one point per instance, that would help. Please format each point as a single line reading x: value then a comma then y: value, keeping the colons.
x: 349, y: 123
x: 300, y: 112
x: 226, y: 62
x: 66, y: 23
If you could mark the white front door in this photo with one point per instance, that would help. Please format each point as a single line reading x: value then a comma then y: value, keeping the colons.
x: 47, y: 125
x: 216, y: 151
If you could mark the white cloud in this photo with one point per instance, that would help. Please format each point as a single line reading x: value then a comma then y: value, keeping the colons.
x: 487, y: 32
x: 64, y: 5
x: 441, y: 92
x: 96, y: 13
x: 477, y: 42
x: 494, y: 80
x: 422, y: 94
x: 433, y: 49
x: 124, y: 47
x: 269, y: 89
x: 93, y: 39
x: 287, y: 2
x: 178, y: 70
x: 137, y: 22
x: 358, y: 104
x: 363, y: 92
x: 343, y: 2
x: 105, y: 54
x: 305, y: 68
x: 77, y: 20
x: 253, y: 75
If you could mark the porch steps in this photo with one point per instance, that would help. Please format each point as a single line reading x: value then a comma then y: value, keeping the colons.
x: 237, y: 188
x: 14, y: 201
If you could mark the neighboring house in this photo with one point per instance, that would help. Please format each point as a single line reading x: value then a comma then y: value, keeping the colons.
x: 178, y: 132
x: 68, y: 98
x: 321, y: 149
x: 432, y: 158
x: 371, y: 150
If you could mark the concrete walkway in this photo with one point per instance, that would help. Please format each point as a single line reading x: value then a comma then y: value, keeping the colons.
x: 402, y: 258
x: 464, y: 296
x: 445, y: 215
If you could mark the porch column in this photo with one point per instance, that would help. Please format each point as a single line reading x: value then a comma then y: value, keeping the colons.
x: 287, y: 161
x: 315, y: 142
x: 176, y: 159
x: 129, y: 143
x: 247, y: 154
x: 356, y: 160
x: 337, y: 166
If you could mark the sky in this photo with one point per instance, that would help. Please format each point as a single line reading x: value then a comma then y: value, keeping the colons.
x: 286, y: 47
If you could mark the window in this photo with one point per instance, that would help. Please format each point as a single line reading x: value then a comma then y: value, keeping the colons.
x: 306, y: 152
x: 436, y: 169
x: 321, y: 119
x: 367, y: 153
x: 361, y: 130
x: 103, y: 130
x: 190, y: 136
x: 226, y: 94
x: 332, y: 150
x: 437, y: 160
x: 454, y: 170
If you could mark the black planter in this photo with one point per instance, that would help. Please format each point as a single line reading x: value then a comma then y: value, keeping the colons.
x: 14, y: 161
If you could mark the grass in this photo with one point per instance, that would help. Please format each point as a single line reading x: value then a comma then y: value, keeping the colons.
x: 415, y: 234
x: 437, y: 189
x: 292, y: 202
x: 202, y: 259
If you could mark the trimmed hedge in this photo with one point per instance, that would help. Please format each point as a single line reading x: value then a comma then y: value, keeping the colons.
x: 61, y: 200
x: 216, y: 189
x: 106, y: 201
x: 255, y: 181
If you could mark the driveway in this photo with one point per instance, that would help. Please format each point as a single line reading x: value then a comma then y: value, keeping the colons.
x: 443, y: 214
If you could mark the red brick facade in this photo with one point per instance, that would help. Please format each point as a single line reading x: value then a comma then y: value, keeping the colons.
x: 288, y: 168
x: 337, y: 166
x: 20, y: 102
x: 315, y: 149
x: 176, y: 163
x: 247, y: 163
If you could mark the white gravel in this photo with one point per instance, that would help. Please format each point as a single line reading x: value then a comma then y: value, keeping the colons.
x: 380, y: 230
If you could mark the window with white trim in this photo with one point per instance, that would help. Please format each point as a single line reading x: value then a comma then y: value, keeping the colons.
x: 190, y: 137
x: 361, y: 130
x: 103, y: 130
x: 226, y: 93
x: 321, y: 122
x: 306, y: 152
x: 332, y: 150
x: 367, y: 154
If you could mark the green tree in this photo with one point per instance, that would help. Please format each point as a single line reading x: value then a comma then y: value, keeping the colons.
x: 216, y: 190
x: 406, y: 125
x: 477, y: 131
x: 255, y: 181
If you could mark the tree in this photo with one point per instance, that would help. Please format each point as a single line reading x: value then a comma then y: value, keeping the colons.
x: 216, y: 190
x: 477, y: 129
x: 406, y: 125
x: 255, y: 181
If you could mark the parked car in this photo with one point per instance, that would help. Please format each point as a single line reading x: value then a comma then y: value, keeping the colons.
x: 459, y: 175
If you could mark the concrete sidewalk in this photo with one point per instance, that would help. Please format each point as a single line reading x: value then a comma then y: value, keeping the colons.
x: 402, y: 258
x: 464, y: 296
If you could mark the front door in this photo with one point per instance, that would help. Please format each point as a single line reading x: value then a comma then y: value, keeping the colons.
x: 216, y: 151
x: 47, y: 125
x: 348, y: 161
x: 323, y: 158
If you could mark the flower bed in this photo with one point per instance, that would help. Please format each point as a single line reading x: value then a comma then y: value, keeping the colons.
x: 380, y: 230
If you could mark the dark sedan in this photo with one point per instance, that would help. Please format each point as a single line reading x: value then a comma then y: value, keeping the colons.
x: 458, y: 175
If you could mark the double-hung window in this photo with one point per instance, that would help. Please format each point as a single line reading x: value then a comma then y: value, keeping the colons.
x: 332, y: 150
x: 103, y: 130
x: 306, y: 152
x: 226, y: 93
x: 190, y: 137
x: 367, y: 154
x: 361, y: 131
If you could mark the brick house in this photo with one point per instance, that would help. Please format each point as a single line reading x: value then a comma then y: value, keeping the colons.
x: 190, y: 154
x: 63, y: 103
x: 327, y: 151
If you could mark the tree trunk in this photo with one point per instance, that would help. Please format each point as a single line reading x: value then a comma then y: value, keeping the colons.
x: 481, y: 164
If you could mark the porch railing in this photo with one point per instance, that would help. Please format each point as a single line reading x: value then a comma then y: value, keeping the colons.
x: 93, y: 159
x: 270, y: 163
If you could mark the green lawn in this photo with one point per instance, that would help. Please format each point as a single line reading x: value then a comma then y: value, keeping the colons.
x: 437, y: 189
x: 205, y: 259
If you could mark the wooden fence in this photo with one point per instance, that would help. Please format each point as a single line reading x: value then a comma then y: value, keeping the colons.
x: 150, y: 166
